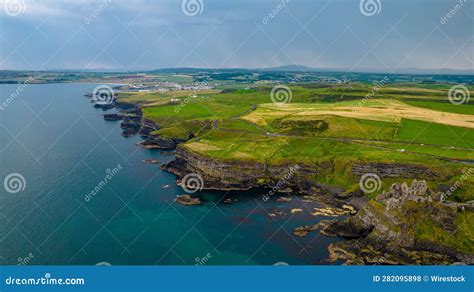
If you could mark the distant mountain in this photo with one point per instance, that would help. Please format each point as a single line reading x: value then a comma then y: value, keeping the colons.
x: 96, y: 70
x: 290, y: 68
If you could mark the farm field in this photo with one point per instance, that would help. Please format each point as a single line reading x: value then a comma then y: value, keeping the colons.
x: 338, y: 123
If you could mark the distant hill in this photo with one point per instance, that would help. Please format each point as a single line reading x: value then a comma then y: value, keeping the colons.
x: 291, y: 68
x: 302, y: 68
x: 285, y: 68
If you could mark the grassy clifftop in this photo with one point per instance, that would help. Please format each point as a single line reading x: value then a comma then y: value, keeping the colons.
x: 343, y: 124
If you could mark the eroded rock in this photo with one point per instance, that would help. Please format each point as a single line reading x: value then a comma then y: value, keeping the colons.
x: 187, y: 200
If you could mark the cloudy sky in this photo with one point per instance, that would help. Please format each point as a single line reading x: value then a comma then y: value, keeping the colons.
x: 147, y: 34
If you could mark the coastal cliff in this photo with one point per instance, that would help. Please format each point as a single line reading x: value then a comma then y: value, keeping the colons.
x: 219, y: 174
x: 238, y: 175
x: 407, y: 225
x: 410, y: 224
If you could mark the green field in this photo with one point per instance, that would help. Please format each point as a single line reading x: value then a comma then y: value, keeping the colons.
x: 430, y: 133
x: 336, y: 124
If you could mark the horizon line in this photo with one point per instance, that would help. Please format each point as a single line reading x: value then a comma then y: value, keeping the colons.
x: 304, y: 68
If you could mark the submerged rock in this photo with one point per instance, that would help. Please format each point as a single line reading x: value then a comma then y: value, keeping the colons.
x: 151, y: 161
x: 284, y: 199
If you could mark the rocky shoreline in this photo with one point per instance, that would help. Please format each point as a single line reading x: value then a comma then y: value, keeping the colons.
x: 375, y: 230
x: 385, y: 231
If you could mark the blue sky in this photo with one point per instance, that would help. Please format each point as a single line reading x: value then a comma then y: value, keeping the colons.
x: 146, y: 34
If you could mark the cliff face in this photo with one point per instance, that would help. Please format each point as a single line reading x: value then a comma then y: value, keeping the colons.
x: 243, y: 175
x: 394, y: 170
x: 240, y: 175
x: 395, y: 228
x: 156, y: 142
x: 147, y: 127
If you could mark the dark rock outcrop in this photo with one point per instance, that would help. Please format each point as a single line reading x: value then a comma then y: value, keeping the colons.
x: 147, y: 127
x: 187, y: 200
x: 104, y: 106
x: 394, y: 170
x: 157, y: 142
x: 130, y: 125
x: 113, y: 117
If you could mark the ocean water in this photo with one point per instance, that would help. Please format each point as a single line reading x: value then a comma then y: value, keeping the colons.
x: 60, y: 149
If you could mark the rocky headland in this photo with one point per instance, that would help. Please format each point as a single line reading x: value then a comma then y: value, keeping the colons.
x: 384, y: 230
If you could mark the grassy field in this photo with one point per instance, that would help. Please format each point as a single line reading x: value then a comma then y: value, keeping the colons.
x: 376, y: 110
x: 404, y: 123
x: 433, y: 133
